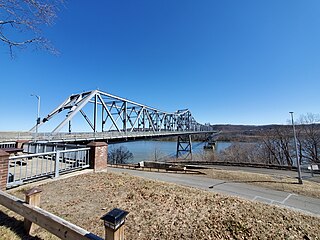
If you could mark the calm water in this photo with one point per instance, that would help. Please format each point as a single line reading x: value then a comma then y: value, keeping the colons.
x: 160, y: 151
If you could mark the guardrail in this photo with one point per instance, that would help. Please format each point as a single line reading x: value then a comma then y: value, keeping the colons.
x: 7, y: 145
x: 35, y: 217
x: 238, y: 164
x: 27, y: 167
x: 52, y: 223
x: 168, y: 169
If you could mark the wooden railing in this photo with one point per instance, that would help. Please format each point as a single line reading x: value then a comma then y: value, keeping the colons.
x: 35, y: 217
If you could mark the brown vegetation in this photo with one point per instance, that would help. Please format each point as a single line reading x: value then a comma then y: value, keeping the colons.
x: 167, y: 211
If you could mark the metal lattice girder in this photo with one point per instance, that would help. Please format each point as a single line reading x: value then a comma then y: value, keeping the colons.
x: 112, y: 113
x: 184, y: 147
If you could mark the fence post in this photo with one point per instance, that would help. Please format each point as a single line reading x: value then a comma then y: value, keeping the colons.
x: 98, y: 155
x: 56, y: 165
x: 114, y: 224
x: 32, y: 197
x: 4, y: 168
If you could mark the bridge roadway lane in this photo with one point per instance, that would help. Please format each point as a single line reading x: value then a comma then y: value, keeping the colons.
x: 293, y: 201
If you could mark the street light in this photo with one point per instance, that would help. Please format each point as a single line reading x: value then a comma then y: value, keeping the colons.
x: 296, y: 145
x: 38, y: 111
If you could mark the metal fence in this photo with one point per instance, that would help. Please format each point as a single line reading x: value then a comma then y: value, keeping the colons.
x: 25, y: 168
x: 43, y: 147
x: 7, y: 145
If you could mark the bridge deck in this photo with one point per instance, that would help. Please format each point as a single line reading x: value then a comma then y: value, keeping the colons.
x: 86, y: 137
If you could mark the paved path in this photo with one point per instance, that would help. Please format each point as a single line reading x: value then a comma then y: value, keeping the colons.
x: 269, y: 171
x: 293, y: 201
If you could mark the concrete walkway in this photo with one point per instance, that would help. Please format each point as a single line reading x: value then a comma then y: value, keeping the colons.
x: 289, y: 200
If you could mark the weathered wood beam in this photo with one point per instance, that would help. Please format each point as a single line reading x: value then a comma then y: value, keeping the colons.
x: 52, y: 223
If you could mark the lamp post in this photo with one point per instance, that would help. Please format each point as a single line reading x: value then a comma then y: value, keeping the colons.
x: 296, y: 146
x: 38, y: 111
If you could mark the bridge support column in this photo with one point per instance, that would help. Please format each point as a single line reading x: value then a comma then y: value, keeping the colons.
x: 184, y: 147
x: 4, y: 161
x: 98, y: 155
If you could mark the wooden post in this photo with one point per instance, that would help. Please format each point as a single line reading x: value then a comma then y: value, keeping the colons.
x: 114, y: 224
x: 33, y: 199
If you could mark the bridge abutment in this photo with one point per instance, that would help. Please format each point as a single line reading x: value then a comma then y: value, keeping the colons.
x: 98, y: 156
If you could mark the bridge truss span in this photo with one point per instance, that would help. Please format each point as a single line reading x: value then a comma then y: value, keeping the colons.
x: 104, y: 112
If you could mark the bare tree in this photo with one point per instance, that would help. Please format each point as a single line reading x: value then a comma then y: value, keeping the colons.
x: 309, y: 137
x: 21, y: 22
x: 119, y: 155
x: 278, y: 144
x: 242, y: 153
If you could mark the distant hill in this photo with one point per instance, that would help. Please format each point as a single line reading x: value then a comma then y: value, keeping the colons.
x: 247, y: 133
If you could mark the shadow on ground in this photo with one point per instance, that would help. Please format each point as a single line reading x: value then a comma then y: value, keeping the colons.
x: 15, y: 226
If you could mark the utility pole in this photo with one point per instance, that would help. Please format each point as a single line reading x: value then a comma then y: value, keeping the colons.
x: 296, y: 146
x: 38, y: 111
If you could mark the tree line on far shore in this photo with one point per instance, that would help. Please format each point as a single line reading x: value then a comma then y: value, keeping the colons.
x: 276, y: 145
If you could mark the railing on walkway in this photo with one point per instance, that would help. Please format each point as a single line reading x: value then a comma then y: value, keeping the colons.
x: 43, y: 147
x: 7, y: 145
x: 28, y: 167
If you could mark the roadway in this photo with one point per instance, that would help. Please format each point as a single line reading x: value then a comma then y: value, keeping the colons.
x: 284, y: 199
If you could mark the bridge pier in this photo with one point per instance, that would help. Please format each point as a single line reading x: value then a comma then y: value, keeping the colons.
x: 98, y: 156
x: 184, y: 147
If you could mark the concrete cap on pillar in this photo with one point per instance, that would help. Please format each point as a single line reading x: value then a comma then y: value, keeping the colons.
x: 97, y: 144
x: 115, y: 218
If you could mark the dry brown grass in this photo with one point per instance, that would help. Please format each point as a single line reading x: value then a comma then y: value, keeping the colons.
x: 277, y: 182
x: 167, y: 211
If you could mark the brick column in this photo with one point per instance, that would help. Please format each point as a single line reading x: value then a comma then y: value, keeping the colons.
x: 98, y: 155
x: 4, y: 161
x: 20, y: 143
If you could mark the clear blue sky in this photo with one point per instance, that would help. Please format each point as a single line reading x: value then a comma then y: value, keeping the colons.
x: 228, y: 61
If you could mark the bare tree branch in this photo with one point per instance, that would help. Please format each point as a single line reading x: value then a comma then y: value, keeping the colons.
x: 22, y: 21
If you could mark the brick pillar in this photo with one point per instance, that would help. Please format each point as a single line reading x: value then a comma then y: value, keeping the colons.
x: 4, y: 161
x: 19, y: 143
x: 98, y: 155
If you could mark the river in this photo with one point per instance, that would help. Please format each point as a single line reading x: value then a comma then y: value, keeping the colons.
x: 161, y: 150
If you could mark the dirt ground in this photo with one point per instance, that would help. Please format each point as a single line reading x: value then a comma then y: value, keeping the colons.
x: 161, y: 211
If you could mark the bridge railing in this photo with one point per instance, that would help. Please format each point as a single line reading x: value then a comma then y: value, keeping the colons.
x: 49, y: 164
x: 13, y: 136
x: 105, y: 135
x: 7, y: 144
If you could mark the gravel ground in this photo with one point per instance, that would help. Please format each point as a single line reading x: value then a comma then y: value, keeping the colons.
x: 165, y: 211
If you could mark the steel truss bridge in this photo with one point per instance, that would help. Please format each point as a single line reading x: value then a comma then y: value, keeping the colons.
x: 111, y: 117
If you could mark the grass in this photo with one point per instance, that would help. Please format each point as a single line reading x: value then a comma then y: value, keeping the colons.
x: 162, y: 211
x: 276, y: 182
